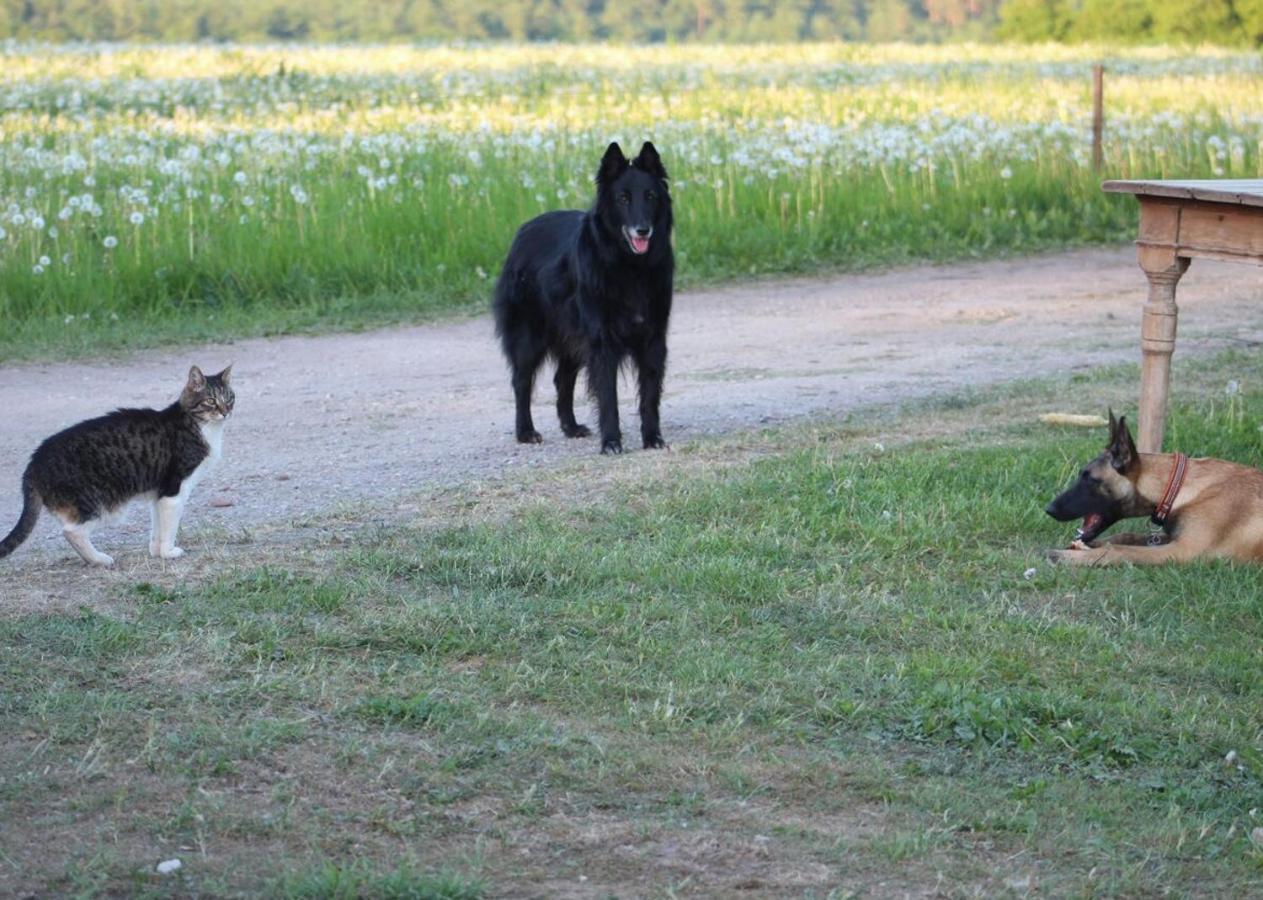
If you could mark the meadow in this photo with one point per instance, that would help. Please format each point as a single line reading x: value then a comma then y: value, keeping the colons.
x: 192, y: 192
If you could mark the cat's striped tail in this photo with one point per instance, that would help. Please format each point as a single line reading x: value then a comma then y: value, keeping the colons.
x: 31, y: 503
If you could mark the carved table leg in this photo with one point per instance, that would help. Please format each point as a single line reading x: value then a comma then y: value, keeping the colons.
x: 1157, y: 342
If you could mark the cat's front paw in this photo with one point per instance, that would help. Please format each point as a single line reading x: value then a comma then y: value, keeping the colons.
x: 172, y: 553
x: 104, y: 560
x: 155, y: 549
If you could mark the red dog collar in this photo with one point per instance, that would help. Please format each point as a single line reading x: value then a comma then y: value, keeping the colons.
x: 1160, y: 514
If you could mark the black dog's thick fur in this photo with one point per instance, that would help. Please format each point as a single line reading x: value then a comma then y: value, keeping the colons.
x: 593, y: 289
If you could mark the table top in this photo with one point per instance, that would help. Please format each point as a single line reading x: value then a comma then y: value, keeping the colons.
x: 1240, y: 192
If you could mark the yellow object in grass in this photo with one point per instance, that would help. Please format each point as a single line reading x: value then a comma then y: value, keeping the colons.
x: 1072, y: 419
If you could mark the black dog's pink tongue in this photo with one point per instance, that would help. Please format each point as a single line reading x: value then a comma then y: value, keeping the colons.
x: 639, y: 244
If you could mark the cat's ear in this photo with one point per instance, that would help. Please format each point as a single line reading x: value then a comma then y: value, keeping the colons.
x: 226, y: 375
x: 197, y: 381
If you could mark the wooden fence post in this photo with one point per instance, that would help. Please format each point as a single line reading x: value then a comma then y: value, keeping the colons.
x: 1098, y: 114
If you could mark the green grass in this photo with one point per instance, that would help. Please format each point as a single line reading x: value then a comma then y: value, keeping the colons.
x: 355, y: 881
x: 855, y: 656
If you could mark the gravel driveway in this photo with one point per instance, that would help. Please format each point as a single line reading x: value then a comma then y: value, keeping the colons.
x: 321, y: 421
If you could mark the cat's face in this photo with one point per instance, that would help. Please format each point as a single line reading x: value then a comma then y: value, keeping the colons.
x: 208, y: 398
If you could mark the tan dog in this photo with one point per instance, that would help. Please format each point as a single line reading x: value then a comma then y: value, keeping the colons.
x: 1207, y: 508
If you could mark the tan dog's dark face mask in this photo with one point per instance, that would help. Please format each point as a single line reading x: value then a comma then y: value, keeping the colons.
x: 1105, y: 491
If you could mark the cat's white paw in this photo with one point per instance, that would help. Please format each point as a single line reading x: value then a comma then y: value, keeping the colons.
x: 155, y: 548
x: 102, y: 559
x: 172, y: 553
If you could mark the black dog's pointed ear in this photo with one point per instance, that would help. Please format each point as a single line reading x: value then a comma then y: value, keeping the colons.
x: 1122, y: 448
x: 648, y: 160
x: 613, y: 163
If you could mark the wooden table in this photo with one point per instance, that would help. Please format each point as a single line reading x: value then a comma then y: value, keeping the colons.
x: 1181, y: 220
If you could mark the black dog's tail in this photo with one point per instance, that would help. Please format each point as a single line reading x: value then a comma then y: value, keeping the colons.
x: 30, y: 514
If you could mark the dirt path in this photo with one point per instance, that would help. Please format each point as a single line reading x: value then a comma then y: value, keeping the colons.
x: 323, y: 421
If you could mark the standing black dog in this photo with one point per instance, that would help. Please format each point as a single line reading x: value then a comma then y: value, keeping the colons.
x: 593, y: 288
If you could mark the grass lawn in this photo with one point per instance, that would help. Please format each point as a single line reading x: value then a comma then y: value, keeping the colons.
x: 839, y: 666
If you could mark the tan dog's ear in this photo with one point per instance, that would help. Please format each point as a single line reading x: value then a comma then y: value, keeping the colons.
x: 1122, y: 448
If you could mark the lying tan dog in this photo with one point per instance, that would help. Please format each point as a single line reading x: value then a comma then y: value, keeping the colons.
x: 1207, y: 508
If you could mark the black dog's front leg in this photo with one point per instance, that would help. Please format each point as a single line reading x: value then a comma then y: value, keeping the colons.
x: 651, y: 363
x: 603, y: 372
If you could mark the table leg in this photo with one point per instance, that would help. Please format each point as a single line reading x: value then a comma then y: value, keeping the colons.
x: 1157, y: 341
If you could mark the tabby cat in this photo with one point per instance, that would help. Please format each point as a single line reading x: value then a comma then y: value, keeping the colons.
x: 90, y: 471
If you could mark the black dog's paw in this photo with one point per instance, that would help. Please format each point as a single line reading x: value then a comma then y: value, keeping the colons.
x: 578, y: 431
x: 612, y: 445
x: 530, y: 437
x: 655, y: 442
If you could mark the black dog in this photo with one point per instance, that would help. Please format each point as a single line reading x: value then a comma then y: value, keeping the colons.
x: 593, y: 288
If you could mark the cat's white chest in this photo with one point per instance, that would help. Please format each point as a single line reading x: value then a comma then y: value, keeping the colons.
x: 213, y: 434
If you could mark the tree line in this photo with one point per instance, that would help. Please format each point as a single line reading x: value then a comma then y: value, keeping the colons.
x: 647, y: 21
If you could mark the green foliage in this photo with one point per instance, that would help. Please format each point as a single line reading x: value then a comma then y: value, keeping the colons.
x: 1032, y: 20
x: 1202, y: 21
x: 518, y: 20
x: 1250, y: 12
x: 1224, y: 22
